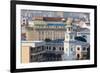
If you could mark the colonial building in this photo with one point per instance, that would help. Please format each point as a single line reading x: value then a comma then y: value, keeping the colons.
x: 54, y: 39
x: 44, y: 28
x: 55, y: 50
x: 33, y: 51
x: 76, y: 43
x: 40, y: 51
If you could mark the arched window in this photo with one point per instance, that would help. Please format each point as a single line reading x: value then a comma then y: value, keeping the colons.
x: 54, y: 48
x: 78, y: 48
x: 78, y: 56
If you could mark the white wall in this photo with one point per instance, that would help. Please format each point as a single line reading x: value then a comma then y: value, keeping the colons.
x: 5, y: 36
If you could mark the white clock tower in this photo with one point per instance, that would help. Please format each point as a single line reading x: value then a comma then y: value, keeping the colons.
x: 69, y: 38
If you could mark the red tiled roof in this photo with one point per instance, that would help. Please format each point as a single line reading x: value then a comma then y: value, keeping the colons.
x: 52, y: 19
x: 38, y: 18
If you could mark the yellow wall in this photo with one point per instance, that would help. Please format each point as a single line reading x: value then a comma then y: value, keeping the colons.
x: 33, y: 35
x: 25, y: 54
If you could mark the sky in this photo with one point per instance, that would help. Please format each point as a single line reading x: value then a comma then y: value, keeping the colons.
x: 30, y: 13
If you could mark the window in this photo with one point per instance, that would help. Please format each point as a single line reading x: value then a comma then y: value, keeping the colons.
x: 71, y: 37
x: 84, y: 55
x: 71, y: 49
x: 69, y: 29
x: 49, y: 48
x: 42, y: 47
x: 62, y: 48
x: 23, y: 23
x: 31, y: 49
x: 31, y: 57
x: 23, y: 36
x: 78, y: 56
x: 54, y: 48
x: 78, y: 48
x: 23, y: 20
x: 59, y: 48
x: 84, y: 36
x: 84, y: 48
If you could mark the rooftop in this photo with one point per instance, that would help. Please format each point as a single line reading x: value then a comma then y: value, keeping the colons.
x: 55, y: 24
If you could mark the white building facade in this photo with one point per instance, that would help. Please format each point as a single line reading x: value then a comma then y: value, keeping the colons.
x: 76, y: 49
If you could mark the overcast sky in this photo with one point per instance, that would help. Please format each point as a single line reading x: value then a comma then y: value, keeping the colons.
x: 30, y: 13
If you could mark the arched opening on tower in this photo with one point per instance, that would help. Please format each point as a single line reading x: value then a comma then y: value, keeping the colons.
x: 78, y: 56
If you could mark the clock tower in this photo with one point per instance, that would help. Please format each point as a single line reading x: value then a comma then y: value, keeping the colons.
x: 69, y: 38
